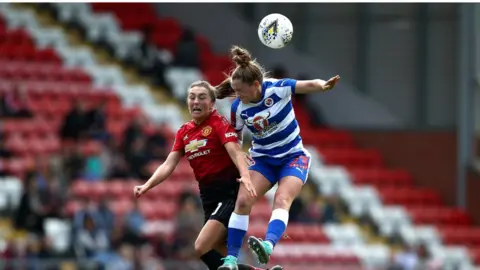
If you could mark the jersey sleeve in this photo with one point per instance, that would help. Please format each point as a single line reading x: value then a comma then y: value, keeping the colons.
x: 178, y: 144
x: 285, y: 87
x: 225, y: 131
x: 235, y: 118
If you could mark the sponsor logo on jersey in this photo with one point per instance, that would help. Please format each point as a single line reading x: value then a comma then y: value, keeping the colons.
x: 230, y: 134
x: 260, y: 123
x: 194, y: 145
x: 199, y: 154
x: 206, y: 131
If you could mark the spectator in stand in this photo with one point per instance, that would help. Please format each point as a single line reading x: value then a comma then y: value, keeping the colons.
x: 133, y: 131
x: 75, y: 123
x: 38, y: 248
x: 149, y: 60
x: 107, y: 216
x: 4, y: 154
x: 185, y: 68
x: 134, y: 223
x: 88, y: 207
x: 330, y: 209
x: 120, y: 168
x: 124, y: 260
x: 406, y: 259
x: 3, y: 105
x: 30, y: 213
x: 52, y: 198
x: 91, y: 240
x: 187, y: 226
x: 97, y: 118
x: 157, y: 146
x: 299, y: 210
x: 15, y: 103
x: 426, y: 260
x: 138, y: 159
x: 97, y: 163
x: 187, y: 52
x: 73, y: 162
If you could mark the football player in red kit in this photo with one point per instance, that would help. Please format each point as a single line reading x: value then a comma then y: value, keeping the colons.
x: 210, y: 144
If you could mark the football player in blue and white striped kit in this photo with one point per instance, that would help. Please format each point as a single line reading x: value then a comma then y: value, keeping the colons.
x: 264, y: 105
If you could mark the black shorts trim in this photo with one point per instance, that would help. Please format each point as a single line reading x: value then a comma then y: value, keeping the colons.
x: 220, y: 211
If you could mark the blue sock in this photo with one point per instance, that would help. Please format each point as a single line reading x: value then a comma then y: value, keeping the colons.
x: 237, y: 229
x: 277, y: 226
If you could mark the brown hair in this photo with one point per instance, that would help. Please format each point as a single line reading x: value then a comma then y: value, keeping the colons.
x: 212, y: 92
x: 247, y: 70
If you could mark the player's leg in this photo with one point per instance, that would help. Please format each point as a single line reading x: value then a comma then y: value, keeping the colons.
x: 212, y: 235
x: 261, y: 176
x: 218, y: 205
x: 221, y: 248
x: 292, y: 178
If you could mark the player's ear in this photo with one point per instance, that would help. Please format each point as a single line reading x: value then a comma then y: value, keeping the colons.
x: 256, y: 84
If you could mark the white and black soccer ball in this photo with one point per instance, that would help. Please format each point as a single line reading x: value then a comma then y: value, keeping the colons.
x: 275, y: 31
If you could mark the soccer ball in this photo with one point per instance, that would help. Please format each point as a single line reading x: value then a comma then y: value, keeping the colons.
x: 275, y: 31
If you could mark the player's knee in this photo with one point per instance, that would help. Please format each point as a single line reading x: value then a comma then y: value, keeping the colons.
x: 201, y: 247
x: 282, y: 200
x: 244, y: 204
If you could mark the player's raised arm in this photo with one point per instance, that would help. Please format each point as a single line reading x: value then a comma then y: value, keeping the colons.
x: 165, y: 170
x: 317, y: 85
x: 161, y: 173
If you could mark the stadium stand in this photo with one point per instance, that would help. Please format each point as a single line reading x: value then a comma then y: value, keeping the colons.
x: 384, y: 207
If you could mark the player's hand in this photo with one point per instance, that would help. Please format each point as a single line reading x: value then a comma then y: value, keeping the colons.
x: 248, y: 185
x: 250, y: 160
x: 331, y: 83
x: 140, y: 190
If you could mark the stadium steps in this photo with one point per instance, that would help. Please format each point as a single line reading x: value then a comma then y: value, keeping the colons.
x: 102, y: 56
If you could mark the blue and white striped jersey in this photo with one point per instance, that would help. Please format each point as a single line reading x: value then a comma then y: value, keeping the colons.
x: 272, y: 121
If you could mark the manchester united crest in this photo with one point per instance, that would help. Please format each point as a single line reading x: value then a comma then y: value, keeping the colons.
x: 206, y: 131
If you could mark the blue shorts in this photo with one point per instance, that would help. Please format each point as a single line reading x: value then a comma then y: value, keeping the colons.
x: 274, y: 169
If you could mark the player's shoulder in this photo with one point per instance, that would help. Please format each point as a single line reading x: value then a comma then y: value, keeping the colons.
x: 185, y: 127
x: 218, y: 118
x: 274, y: 83
x: 236, y: 103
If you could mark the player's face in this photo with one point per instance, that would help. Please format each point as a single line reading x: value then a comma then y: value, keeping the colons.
x: 246, y: 92
x: 199, y: 103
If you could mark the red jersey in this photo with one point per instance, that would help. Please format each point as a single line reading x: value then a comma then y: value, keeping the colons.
x: 203, y: 145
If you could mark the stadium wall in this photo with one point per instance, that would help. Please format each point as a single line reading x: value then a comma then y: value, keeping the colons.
x: 431, y: 156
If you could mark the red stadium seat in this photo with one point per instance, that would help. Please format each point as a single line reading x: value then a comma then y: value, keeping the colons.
x: 467, y: 236
x: 353, y: 158
x: 327, y: 139
x: 381, y: 177
x: 439, y: 215
x: 409, y: 196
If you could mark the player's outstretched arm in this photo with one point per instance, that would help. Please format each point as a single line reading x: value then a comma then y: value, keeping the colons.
x: 312, y: 86
x: 161, y: 173
x: 241, y: 161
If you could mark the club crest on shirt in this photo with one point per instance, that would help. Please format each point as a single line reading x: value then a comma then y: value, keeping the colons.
x: 206, y: 131
x: 268, y: 102
x: 259, y: 121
